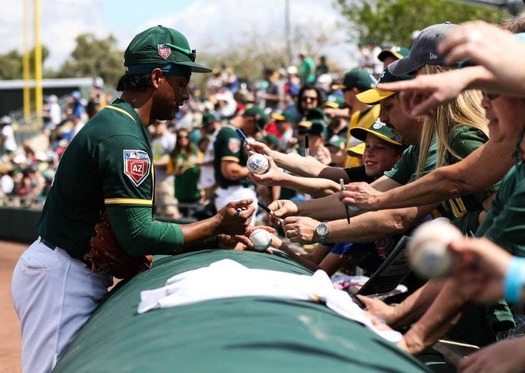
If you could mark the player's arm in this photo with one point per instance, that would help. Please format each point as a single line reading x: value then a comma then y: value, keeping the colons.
x: 140, y: 235
x: 232, y: 170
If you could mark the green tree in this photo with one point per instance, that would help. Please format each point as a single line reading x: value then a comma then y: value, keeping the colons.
x: 11, y: 63
x: 94, y: 57
x: 394, y: 21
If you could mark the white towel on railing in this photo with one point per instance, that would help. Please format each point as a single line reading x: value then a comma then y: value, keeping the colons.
x: 228, y: 279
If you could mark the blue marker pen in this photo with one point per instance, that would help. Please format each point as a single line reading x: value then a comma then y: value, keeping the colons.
x: 243, y: 137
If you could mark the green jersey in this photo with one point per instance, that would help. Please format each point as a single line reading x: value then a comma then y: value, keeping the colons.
x: 109, y: 162
x: 228, y: 146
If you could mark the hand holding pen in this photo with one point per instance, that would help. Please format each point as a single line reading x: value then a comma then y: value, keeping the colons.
x: 270, y: 212
x: 342, y: 183
x: 306, y: 146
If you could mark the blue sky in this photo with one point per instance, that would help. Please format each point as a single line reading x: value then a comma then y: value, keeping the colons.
x: 145, y: 11
x: 209, y: 25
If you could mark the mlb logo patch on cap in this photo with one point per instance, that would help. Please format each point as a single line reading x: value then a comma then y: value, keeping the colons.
x: 136, y: 165
x: 164, y: 51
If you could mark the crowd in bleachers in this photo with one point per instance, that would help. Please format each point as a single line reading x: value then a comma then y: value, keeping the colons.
x: 27, y: 166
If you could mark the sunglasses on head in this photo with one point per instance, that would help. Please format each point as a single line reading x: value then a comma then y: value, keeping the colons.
x: 191, y: 54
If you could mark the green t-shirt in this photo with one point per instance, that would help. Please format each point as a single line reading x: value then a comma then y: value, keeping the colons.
x: 505, y: 226
x: 307, y: 70
x: 186, y: 184
x: 107, y: 164
x: 505, y: 221
x: 479, y: 324
x: 464, y: 210
x: 228, y: 146
x: 404, y: 171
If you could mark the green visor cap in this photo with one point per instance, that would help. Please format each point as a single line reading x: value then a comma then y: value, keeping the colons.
x: 160, y: 47
x: 375, y: 95
x: 378, y: 129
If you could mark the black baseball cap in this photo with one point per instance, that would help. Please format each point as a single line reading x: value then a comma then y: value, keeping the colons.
x: 424, y: 50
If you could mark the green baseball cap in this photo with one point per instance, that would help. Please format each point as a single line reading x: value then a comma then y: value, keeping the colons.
x: 374, y: 95
x: 283, y: 116
x: 334, y: 102
x: 336, y: 141
x: 316, y: 114
x: 261, y: 118
x: 378, y: 129
x: 318, y: 128
x: 161, y: 47
x: 270, y: 139
x: 358, y: 78
x: 209, y: 118
x: 394, y: 51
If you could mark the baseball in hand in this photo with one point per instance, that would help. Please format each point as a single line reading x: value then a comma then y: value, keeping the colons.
x: 427, y: 250
x: 261, y: 239
x: 257, y: 164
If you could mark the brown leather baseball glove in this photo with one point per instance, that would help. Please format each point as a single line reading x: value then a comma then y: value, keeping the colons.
x: 108, y: 257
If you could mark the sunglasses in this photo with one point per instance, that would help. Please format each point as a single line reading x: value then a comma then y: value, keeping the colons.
x: 191, y: 54
x: 308, y: 98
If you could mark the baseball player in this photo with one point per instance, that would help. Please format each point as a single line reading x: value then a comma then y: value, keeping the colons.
x: 108, y: 167
x: 230, y: 158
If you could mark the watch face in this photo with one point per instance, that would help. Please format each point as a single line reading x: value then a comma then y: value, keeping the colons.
x: 322, y: 229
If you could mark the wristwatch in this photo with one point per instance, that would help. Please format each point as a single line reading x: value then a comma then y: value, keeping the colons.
x: 322, y: 232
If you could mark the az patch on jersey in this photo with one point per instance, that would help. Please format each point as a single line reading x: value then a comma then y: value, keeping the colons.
x: 136, y: 165
x: 234, y: 145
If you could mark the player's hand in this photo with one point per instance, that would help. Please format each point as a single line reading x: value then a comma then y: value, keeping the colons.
x: 274, y: 176
x: 503, y: 357
x: 235, y: 217
x: 300, y: 229
x: 241, y: 241
x: 378, y: 308
x: 282, y: 208
x: 361, y: 195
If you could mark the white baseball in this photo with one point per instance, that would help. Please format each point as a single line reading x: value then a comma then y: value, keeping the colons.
x: 257, y: 164
x: 261, y: 239
x: 427, y: 250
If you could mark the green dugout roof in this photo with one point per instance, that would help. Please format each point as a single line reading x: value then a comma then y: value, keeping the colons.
x: 251, y: 334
